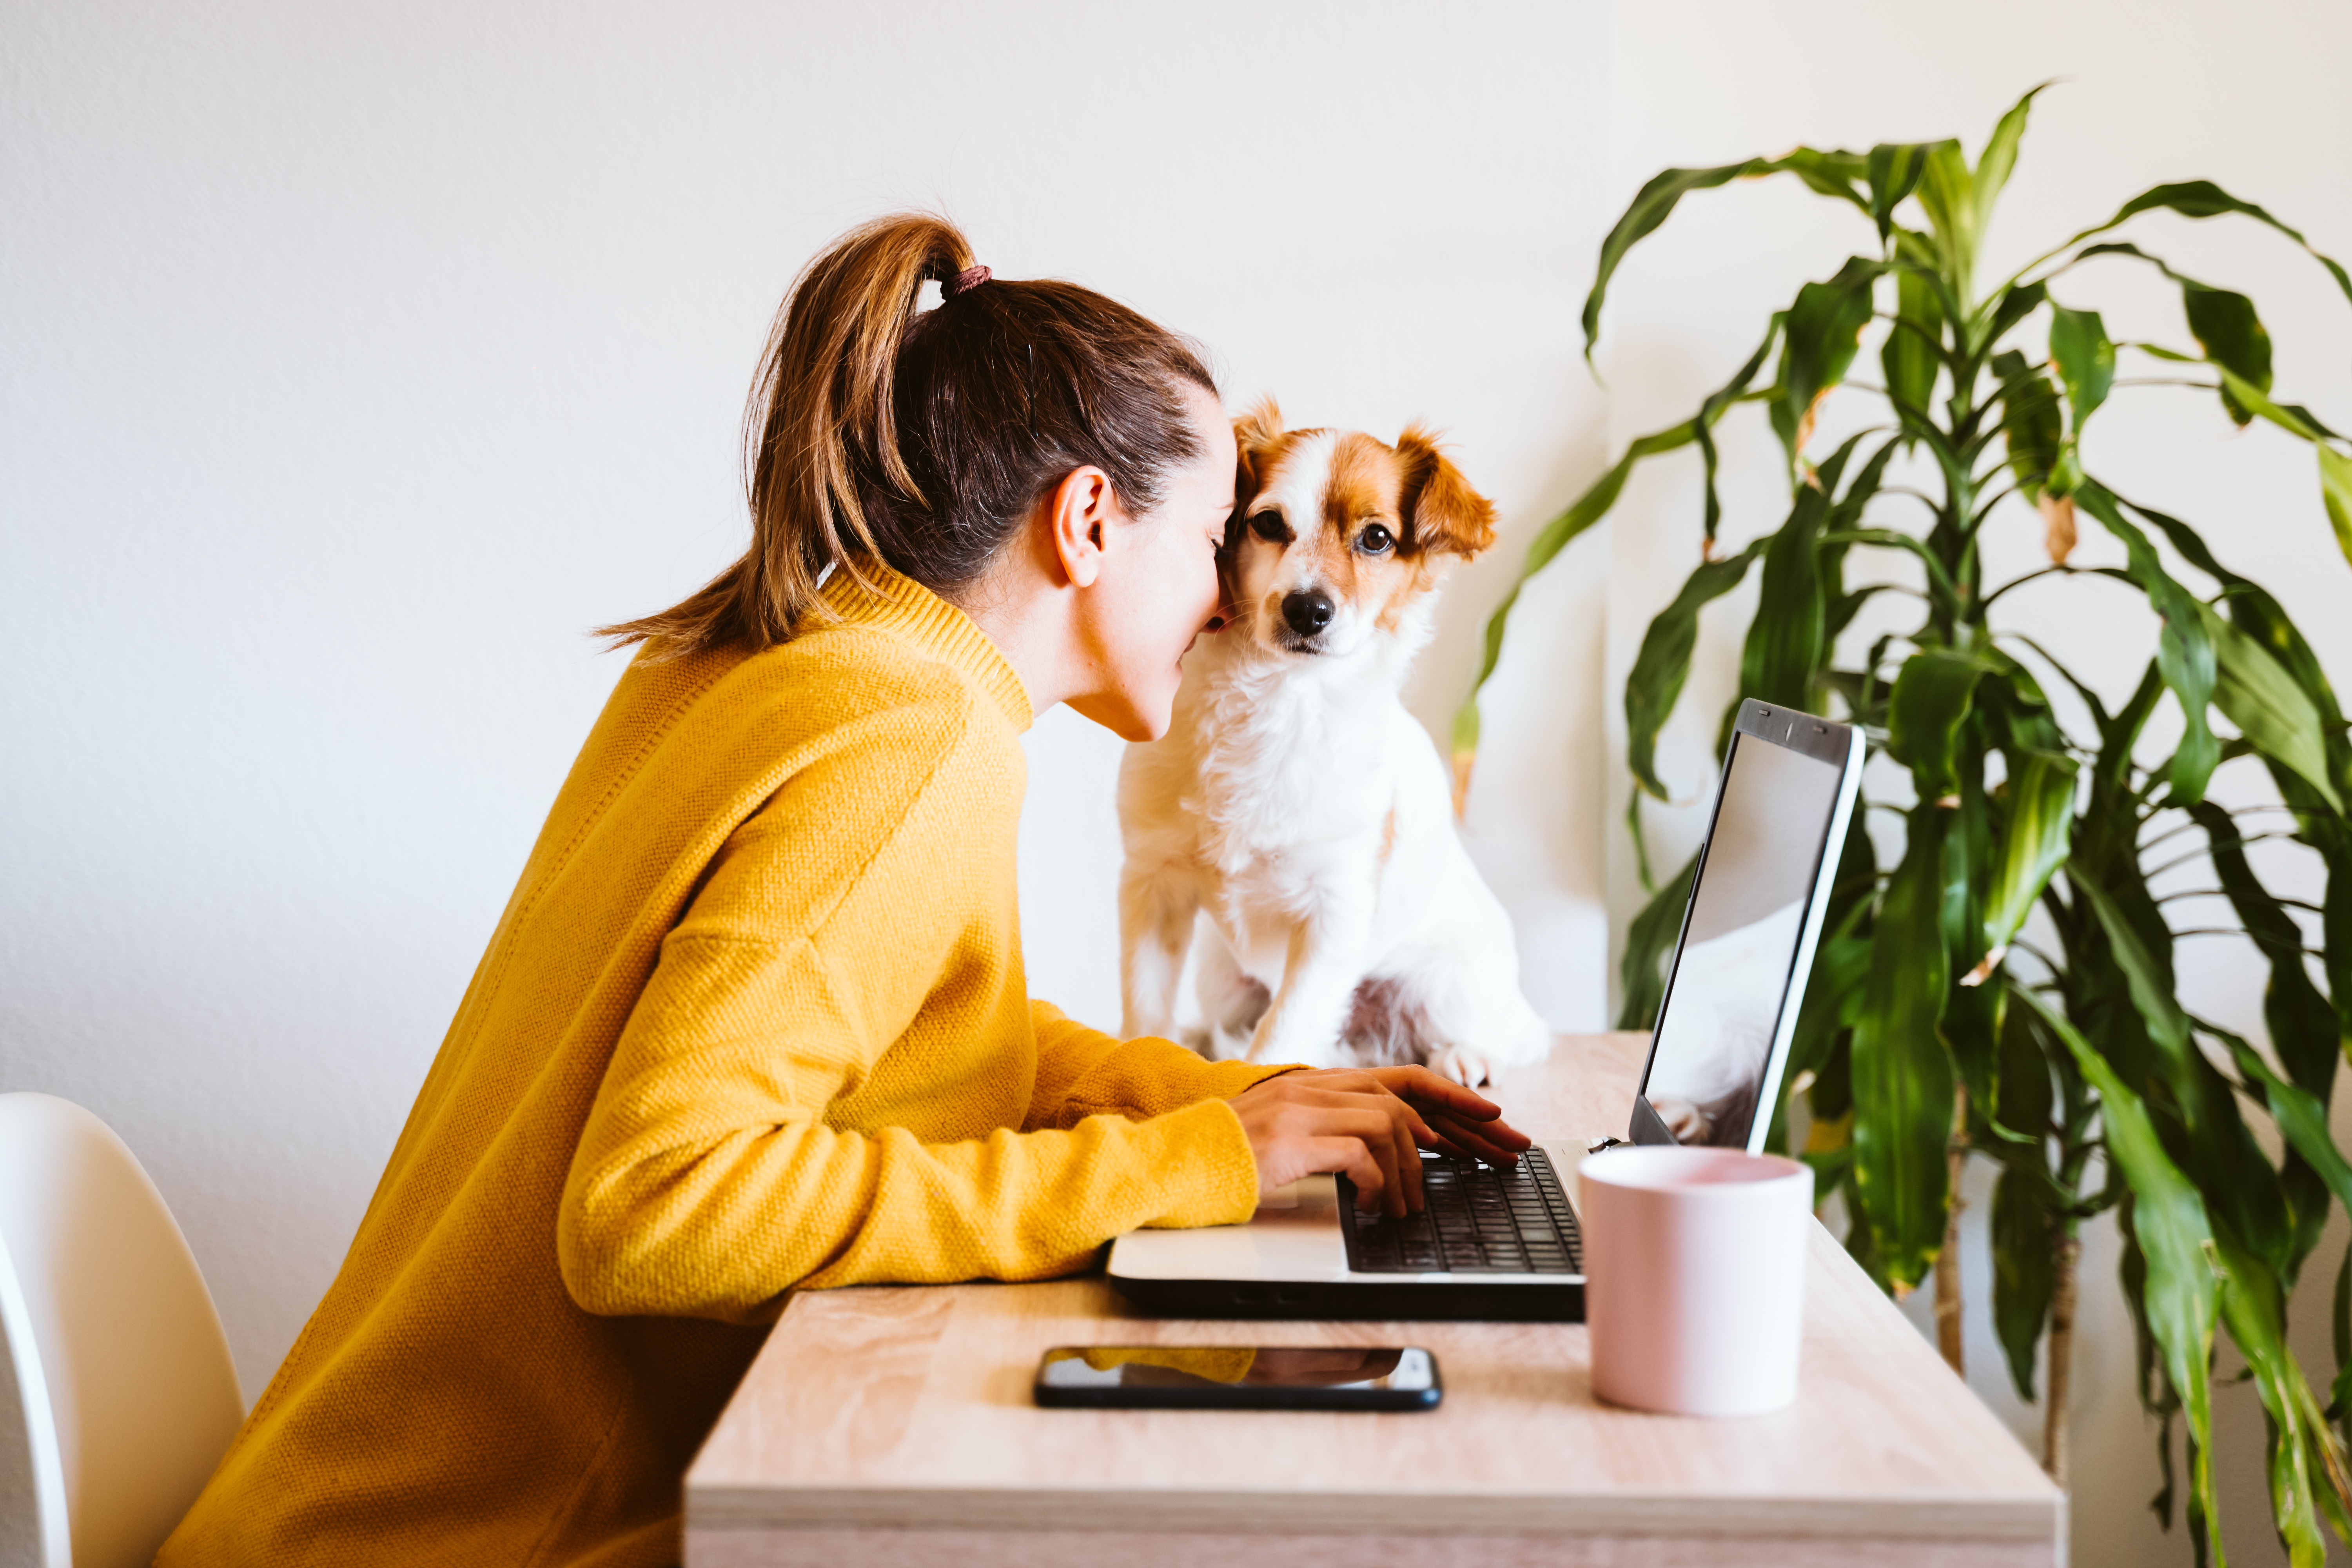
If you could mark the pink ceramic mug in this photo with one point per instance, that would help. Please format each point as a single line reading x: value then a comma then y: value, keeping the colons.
x: 1695, y: 1288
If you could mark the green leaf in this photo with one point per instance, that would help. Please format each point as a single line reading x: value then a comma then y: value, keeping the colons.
x: 1913, y: 351
x: 1711, y: 410
x: 2221, y: 1153
x: 1894, y: 170
x: 1822, y: 334
x: 1662, y: 666
x: 1931, y: 701
x: 2335, y: 491
x: 1830, y: 174
x: 2184, y: 651
x: 2202, y: 199
x: 2253, y: 1307
x: 2267, y: 706
x: 2181, y: 1300
x: 1947, y: 195
x: 1550, y: 539
x: 2000, y: 156
x: 2022, y: 1274
x: 1781, y: 662
x: 2340, y: 1399
x: 2022, y: 1106
x: 2252, y: 399
x: 2292, y: 417
x: 2030, y: 424
x: 2226, y: 328
x: 1901, y: 1073
x: 1940, y: 580
x: 2303, y: 1027
x: 2085, y: 358
x: 2254, y: 612
x: 2005, y: 309
x: 1641, y: 971
x: 2225, y: 325
x: 2302, y: 1119
x: 2041, y: 794
x: 2254, y: 1312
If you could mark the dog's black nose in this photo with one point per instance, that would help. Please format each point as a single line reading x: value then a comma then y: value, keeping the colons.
x: 1308, y: 611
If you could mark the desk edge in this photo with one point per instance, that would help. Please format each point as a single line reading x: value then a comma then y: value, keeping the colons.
x: 1881, y: 1515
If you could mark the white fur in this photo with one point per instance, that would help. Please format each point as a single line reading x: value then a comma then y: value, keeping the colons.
x: 1265, y: 809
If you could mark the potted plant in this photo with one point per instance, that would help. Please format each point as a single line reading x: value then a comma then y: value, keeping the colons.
x: 1936, y: 1028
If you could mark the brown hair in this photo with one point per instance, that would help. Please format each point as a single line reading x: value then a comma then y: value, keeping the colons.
x: 925, y: 438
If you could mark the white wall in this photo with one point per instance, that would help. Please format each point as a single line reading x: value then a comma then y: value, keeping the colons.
x: 353, y: 362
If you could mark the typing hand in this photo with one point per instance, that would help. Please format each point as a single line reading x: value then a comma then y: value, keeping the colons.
x: 1462, y: 1121
x: 1367, y: 1124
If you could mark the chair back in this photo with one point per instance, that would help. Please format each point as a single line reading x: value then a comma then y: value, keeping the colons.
x: 117, y: 1394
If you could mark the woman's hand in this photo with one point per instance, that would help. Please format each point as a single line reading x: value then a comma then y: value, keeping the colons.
x: 1368, y: 1125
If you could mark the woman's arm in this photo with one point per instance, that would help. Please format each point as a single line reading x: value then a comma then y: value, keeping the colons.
x: 708, y: 1180
x: 706, y: 1183
x: 1084, y: 1072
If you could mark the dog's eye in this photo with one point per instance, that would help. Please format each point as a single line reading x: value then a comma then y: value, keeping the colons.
x: 1376, y: 540
x: 1269, y: 526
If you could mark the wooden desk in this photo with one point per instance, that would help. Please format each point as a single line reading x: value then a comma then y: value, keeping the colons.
x: 891, y: 1427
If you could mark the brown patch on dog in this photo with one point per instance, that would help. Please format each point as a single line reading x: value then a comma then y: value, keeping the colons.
x: 1446, y: 514
x: 1412, y: 489
x: 1366, y: 488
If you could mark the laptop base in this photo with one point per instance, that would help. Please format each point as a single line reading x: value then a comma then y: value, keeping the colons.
x: 1466, y: 1302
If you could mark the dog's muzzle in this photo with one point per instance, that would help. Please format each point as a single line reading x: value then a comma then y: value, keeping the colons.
x: 1306, y: 612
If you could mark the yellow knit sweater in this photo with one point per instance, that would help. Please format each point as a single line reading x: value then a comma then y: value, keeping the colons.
x: 754, y: 1020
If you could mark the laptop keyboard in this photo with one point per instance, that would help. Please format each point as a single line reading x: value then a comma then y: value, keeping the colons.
x: 1478, y: 1219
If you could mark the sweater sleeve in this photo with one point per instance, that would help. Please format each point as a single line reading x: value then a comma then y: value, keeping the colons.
x: 1083, y: 1072
x: 708, y: 1180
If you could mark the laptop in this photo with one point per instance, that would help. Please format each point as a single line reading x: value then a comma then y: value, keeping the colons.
x: 1502, y: 1242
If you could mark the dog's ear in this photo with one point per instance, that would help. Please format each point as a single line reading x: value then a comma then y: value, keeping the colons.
x: 1442, y: 514
x: 1254, y: 435
x: 1256, y: 432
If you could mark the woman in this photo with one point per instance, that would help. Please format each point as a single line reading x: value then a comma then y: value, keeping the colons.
x: 754, y: 1019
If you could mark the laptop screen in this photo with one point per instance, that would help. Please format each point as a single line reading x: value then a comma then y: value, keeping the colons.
x: 1714, y: 1040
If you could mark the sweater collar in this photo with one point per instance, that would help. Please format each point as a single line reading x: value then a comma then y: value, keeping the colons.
x: 895, y: 603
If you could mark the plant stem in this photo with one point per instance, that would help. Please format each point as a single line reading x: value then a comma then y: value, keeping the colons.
x: 2067, y: 1251
x: 1947, y: 1261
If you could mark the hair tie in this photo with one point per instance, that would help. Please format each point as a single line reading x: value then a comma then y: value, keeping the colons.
x: 964, y: 282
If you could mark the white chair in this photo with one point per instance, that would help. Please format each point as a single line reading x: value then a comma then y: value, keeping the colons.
x: 117, y: 1395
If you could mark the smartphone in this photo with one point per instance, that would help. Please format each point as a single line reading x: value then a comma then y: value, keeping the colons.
x: 1238, y: 1377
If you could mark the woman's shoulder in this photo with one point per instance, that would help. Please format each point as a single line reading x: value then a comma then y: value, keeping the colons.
x: 849, y: 677
x: 831, y: 688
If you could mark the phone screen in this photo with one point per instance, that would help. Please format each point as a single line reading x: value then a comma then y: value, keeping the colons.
x: 1240, y: 1377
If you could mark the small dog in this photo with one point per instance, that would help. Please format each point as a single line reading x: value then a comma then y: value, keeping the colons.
x: 1297, y: 805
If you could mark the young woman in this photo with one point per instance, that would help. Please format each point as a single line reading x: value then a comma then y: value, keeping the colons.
x: 754, y: 1019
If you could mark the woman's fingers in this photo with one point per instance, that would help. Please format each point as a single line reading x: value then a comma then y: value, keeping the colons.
x: 1433, y: 1091
x: 1407, y: 1130
x: 1350, y: 1158
x: 1295, y: 1123
x: 1370, y: 1093
x: 1488, y: 1140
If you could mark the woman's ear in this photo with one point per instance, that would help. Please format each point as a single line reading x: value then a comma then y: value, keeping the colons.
x: 1079, y: 512
x: 1442, y: 514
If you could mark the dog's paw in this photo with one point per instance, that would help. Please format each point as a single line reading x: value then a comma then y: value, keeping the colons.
x: 1466, y: 1066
